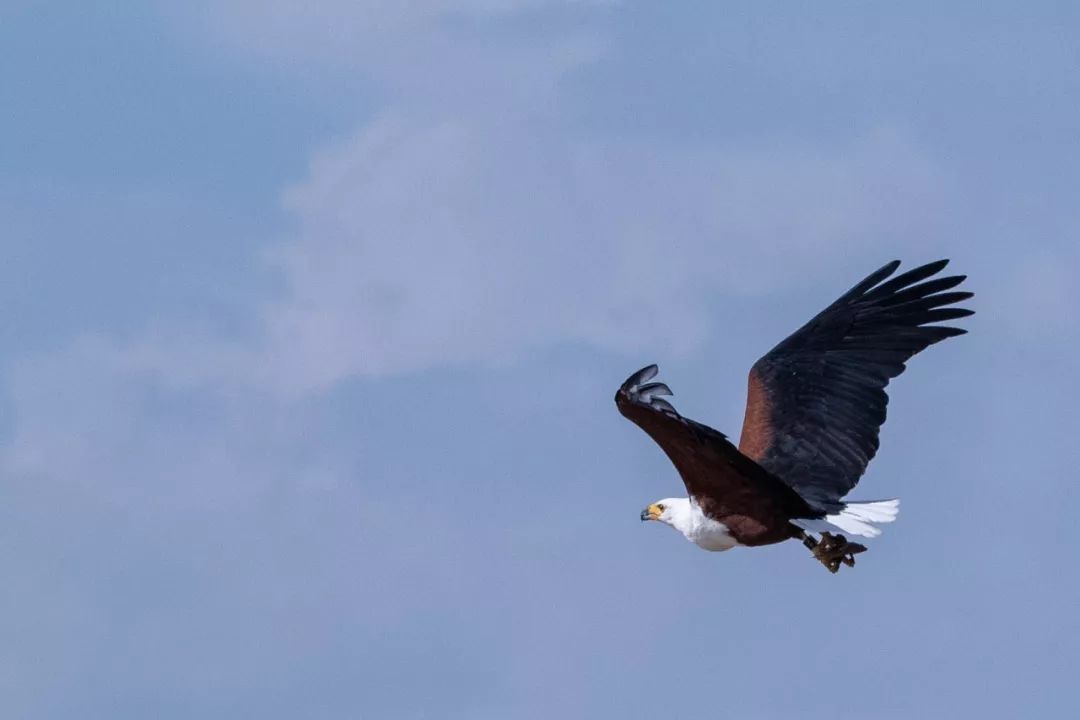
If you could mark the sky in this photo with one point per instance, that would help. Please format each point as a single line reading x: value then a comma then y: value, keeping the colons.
x: 313, y: 315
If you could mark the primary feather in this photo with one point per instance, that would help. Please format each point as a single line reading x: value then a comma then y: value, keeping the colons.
x: 817, y: 400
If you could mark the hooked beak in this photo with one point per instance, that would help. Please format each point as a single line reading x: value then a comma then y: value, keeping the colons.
x: 651, y: 513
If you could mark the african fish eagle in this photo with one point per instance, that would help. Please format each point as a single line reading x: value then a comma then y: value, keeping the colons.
x: 815, y: 404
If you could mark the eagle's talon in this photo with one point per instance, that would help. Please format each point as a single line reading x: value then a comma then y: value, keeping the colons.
x: 832, y: 550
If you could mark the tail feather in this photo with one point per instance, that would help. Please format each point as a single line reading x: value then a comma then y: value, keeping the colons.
x: 855, y: 518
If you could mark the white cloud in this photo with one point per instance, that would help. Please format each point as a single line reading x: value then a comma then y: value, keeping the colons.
x: 477, y: 238
x: 135, y: 425
x: 471, y: 222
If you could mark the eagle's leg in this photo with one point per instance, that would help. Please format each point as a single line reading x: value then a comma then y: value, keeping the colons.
x: 832, y: 550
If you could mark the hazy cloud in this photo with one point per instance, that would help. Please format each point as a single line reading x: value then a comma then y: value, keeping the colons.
x: 477, y: 238
x: 470, y: 221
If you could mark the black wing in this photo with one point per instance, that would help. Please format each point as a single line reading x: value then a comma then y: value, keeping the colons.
x: 817, y: 400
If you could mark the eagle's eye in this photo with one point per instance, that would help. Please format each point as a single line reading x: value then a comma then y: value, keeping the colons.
x: 660, y: 507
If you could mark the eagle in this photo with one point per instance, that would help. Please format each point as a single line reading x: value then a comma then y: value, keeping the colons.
x: 815, y: 405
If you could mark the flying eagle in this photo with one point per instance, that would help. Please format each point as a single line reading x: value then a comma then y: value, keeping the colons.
x: 814, y: 406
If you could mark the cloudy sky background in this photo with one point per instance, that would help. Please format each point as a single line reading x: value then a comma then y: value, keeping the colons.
x: 313, y: 318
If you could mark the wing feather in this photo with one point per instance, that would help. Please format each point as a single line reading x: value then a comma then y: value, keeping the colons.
x: 816, y: 402
x: 715, y: 473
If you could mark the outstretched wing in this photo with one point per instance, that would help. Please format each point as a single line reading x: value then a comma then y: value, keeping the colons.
x: 817, y: 400
x: 716, y: 474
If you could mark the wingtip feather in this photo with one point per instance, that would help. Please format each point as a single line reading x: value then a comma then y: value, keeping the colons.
x: 643, y: 375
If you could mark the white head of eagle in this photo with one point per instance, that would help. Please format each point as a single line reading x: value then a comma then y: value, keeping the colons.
x: 684, y: 515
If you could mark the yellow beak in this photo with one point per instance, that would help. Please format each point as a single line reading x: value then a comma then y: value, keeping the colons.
x: 653, y: 512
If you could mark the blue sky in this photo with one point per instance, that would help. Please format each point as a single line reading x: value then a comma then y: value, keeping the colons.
x: 314, y: 317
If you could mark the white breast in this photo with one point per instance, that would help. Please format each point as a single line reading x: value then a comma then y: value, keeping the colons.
x: 707, y: 533
x: 684, y: 515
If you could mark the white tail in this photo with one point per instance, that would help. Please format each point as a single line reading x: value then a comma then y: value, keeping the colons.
x: 855, y: 519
